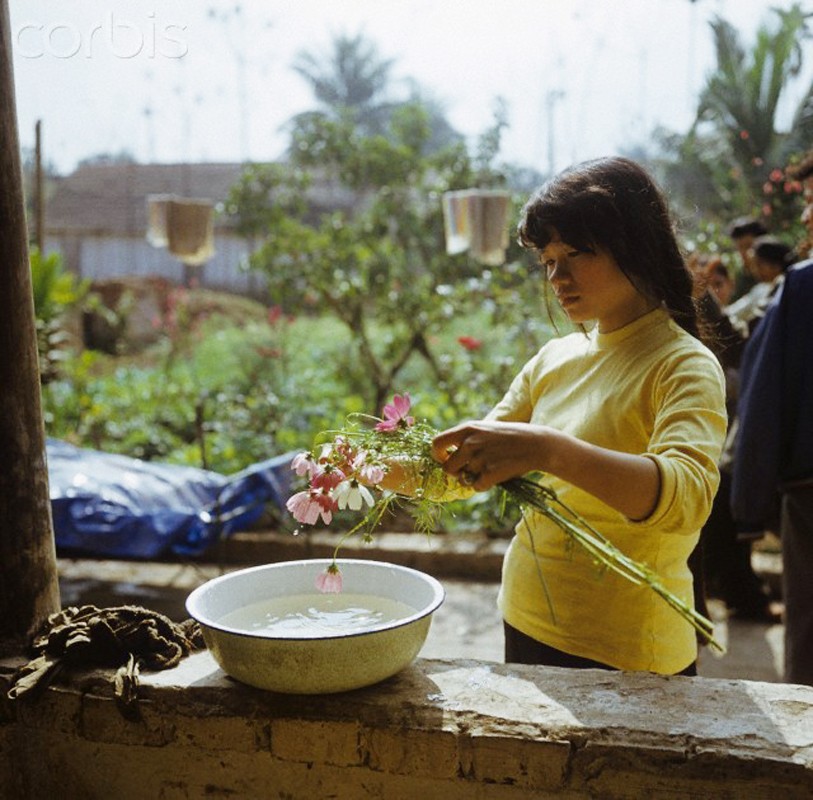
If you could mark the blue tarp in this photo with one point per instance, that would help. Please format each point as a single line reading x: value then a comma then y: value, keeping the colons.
x: 113, y: 506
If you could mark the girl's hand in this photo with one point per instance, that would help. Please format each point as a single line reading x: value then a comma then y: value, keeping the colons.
x: 487, y: 452
x: 484, y: 453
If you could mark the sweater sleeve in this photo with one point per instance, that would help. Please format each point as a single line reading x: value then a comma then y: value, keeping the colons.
x: 690, y: 427
x: 516, y: 405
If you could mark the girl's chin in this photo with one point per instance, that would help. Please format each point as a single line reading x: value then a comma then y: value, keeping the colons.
x: 575, y: 315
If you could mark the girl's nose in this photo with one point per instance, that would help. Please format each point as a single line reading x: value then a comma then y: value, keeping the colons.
x: 558, y: 269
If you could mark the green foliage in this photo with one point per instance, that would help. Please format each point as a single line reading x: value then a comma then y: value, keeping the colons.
x: 239, y: 395
x: 379, y: 263
x: 349, y: 236
x: 55, y: 291
x: 54, y: 288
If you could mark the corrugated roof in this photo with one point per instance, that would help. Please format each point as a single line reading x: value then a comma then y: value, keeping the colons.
x: 112, y: 198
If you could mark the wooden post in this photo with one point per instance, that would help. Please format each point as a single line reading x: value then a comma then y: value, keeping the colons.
x: 29, y: 588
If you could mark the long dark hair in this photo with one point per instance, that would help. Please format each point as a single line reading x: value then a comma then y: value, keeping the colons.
x: 613, y: 203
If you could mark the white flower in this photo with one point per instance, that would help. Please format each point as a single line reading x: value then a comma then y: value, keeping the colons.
x: 352, y: 494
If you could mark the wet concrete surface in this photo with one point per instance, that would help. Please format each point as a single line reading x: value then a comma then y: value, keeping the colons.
x: 467, y: 625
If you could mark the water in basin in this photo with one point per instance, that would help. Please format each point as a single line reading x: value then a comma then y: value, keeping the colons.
x: 316, y: 615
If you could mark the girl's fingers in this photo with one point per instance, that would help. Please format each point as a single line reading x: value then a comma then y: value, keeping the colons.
x: 445, y: 444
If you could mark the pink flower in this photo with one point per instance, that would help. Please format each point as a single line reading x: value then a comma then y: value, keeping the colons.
x: 340, y: 452
x: 327, y: 504
x: 470, y: 343
x: 329, y: 581
x: 304, y: 507
x: 395, y: 414
x: 326, y: 477
x: 368, y: 473
x: 372, y: 473
x: 302, y: 463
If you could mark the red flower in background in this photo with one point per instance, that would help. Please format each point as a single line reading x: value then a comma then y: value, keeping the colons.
x: 470, y: 343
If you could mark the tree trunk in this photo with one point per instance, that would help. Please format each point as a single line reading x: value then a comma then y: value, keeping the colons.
x: 29, y: 589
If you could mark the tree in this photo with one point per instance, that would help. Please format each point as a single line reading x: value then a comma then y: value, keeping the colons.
x: 379, y: 265
x: 350, y: 83
x: 732, y: 159
x: 353, y: 84
x: 352, y: 226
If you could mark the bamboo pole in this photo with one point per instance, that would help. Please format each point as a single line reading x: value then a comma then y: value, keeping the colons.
x: 39, y: 192
x: 29, y: 588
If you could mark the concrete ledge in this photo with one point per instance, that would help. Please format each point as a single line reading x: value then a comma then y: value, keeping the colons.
x: 439, y: 729
x: 473, y: 556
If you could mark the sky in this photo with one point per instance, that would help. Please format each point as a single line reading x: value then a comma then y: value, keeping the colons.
x: 202, y: 80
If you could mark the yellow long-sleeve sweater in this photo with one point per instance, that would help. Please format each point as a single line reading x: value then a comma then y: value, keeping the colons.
x: 648, y: 389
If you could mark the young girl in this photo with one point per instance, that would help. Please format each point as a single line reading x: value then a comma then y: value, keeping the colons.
x: 626, y: 419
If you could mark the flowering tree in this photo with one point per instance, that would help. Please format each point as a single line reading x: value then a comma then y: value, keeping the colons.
x: 732, y: 160
x: 353, y: 226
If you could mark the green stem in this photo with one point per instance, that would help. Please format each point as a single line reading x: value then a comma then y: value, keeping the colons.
x: 530, y: 494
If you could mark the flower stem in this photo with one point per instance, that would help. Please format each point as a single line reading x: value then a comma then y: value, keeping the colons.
x: 530, y: 494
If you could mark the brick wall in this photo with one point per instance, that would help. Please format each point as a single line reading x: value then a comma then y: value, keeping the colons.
x: 439, y: 729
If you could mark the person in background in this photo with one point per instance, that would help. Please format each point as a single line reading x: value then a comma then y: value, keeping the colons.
x: 726, y: 557
x: 772, y: 258
x: 726, y: 341
x: 773, y: 458
x: 727, y: 550
x: 625, y: 419
x: 768, y: 259
x: 742, y: 232
x: 718, y: 281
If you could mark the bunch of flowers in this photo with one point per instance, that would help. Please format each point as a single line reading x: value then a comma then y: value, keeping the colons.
x: 346, y: 470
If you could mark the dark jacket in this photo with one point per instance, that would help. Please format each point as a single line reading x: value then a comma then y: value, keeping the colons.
x: 775, y: 408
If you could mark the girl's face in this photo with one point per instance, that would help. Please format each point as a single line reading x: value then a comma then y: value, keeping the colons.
x: 722, y: 287
x: 591, y: 286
